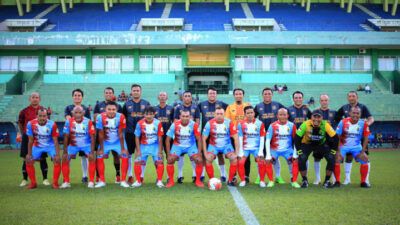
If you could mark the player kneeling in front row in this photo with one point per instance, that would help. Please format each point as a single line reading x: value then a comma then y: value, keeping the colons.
x: 251, y: 139
x: 185, y: 133
x: 351, y: 131
x: 110, y: 126
x: 43, y: 138
x: 311, y: 137
x: 280, y: 137
x: 78, y: 137
x: 148, y: 135
x: 220, y: 131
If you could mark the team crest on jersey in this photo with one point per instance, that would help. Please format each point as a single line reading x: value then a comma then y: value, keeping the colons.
x: 205, y: 107
x: 304, y: 112
x: 330, y: 114
x: 101, y: 109
x: 192, y: 110
x: 274, y: 107
x: 142, y: 107
x: 168, y: 112
x: 130, y: 107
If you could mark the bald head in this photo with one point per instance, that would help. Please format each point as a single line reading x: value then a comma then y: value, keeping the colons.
x: 78, y: 112
x: 162, y: 97
x: 324, y: 101
x: 282, y: 115
x: 34, y: 99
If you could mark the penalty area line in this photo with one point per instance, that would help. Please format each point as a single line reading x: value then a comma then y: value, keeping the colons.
x: 247, y: 215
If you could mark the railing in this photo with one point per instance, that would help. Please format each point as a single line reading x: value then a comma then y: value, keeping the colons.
x: 28, y: 84
x: 388, y: 84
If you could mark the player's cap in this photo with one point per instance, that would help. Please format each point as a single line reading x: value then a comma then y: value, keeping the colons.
x: 316, y: 112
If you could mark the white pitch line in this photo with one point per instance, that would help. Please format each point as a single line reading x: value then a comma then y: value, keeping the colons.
x: 247, y: 215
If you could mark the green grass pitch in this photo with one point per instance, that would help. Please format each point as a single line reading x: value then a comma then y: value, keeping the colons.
x: 186, y: 204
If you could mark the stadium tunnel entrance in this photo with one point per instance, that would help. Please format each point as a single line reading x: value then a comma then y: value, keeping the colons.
x: 198, y: 80
x: 208, y: 66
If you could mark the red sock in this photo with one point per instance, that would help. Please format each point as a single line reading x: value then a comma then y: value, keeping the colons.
x: 337, y: 172
x: 170, y: 171
x: 364, y: 172
x: 295, y: 170
x: 269, y: 171
x: 30, y: 169
x: 101, y: 168
x: 232, y: 171
x: 160, y: 171
x: 210, y: 170
x: 261, y: 170
x: 199, y: 171
x: 92, y: 170
x: 56, y: 172
x: 124, y: 168
x: 241, y: 169
x: 65, y: 171
x: 138, y: 171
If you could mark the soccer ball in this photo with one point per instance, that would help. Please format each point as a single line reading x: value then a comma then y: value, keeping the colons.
x: 214, y: 184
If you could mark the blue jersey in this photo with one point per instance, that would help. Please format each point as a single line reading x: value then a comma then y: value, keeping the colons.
x: 133, y: 112
x: 101, y: 107
x: 207, y: 110
x: 194, y: 111
x: 165, y: 116
x: 344, y: 112
x: 299, y: 115
x: 267, y: 112
x: 330, y: 116
x: 68, y: 111
x: 42, y: 134
x: 184, y: 136
x: 79, y: 133
x: 251, y: 132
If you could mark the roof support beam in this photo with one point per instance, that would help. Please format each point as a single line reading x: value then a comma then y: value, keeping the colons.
x: 105, y: 3
x: 385, y: 5
x: 71, y: 4
x: 227, y: 5
x: 394, y: 7
x: 19, y: 7
x: 187, y: 4
x: 342, y: 4
x: 349, y: 6
x: 28, y: 6
x: 308, y: 6
x: 267, y: 5
x: 63, y: 6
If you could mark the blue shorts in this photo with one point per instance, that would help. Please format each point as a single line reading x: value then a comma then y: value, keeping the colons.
x: 73, y: 150
x: 253, y: 152
x: 146, y: 151
x: 288, y: 154
x: 224, y: 150
x: 178, y: 150
x: 38, y: 151
x: 116, y: 147
x: 354, y: 151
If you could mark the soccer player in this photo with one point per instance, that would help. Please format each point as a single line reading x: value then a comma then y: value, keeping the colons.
x: 43, y: 138
x: 235, y: 113
x: 110, y: 126
x: 77, y: 97
x: 165, y: 114
x: 298, y: 112
x: 148, y: 135
x: 352, y: 131
x: 195, y: 116
x: 185, y: 133
x: 311, y: 138
x: 280, y: 138
x: 344, y: 112
x: 251, y: 139
x: 220, y: 130
x: 79, y: 136
x: 330, y: 116
x: 133, y: 111
x: 207, y: 111
x: 27, y: 114
x: 267, y: 111
x: 99, y: 108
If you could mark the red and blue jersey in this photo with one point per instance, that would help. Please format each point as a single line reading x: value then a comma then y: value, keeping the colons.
x: 281, y: 135
x: 112, y: 127
x: 220, y: 133
x: 350, y: 134
x: 251, y: 133
x: 79, y: 133
x: 149, y: 133
x: 42, y: 134
x: 184, y: 136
